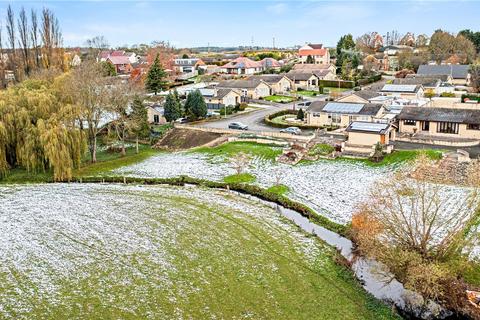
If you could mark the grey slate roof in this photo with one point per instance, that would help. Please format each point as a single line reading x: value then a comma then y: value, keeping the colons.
x: 469, y: 116
x: 457, y: 71
x: 424, y: 81
x: 240, y: 84
x: 367, y: 109
x: 441, y: 77
x: 223, y: 92
x: 368, y: 127
x: 401, y: 88
x: 366, y: 94
x: 268, y: 78
x: 300, y: 75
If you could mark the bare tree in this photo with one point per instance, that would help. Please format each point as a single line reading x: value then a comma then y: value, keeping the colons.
x: 35, y: 37
x: 2, y: 61
x: 240, y: 162
x: 24, y: 41
x: 119, y: 99
x: 96, y: 45
x: 11, y: 37
x: 87, y: 88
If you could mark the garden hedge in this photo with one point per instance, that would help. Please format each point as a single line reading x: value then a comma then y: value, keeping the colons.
x: 336, y: 84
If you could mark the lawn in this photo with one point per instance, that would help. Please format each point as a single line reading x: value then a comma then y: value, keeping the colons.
x: 152, y: 252
x: 240, y: 178
x: 307, y: 93
x: 335, y: 89
x: 280, y: 99
x: 228, y: 150
x: 396, y: 157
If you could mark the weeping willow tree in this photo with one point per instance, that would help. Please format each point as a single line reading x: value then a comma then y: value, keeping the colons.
x: 38, y: 130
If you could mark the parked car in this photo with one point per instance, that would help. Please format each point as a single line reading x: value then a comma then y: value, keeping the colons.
x: 238, y: 126
x: 292, y: 130
x: 181, y: 120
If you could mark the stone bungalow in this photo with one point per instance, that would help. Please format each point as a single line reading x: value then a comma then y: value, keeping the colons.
x: 440, y: 122
x: 369, y: 133
x: 250, y: 89
x: 341, y: 114
x: 405, y: 91
x: 278, y: 82
x: 304, y: 80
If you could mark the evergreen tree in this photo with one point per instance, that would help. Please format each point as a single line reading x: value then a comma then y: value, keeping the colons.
x: 156, y: 77
x: 195, y: 105
x: 108, y: 69
x: 172, y: 108
x: 300, y: 114
x: 139, y: 118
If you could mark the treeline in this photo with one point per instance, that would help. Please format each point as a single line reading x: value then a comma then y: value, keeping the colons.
x: 48, y: 123
x: 29, y: 41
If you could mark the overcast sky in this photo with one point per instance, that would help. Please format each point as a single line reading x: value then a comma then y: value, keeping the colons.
x: 233, y: 23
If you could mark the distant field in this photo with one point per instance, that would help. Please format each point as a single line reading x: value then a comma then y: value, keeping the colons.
x: 126, y: 252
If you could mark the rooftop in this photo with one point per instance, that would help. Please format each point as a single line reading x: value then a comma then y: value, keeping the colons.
x: 368, y: 127
x: 406, y: 88
x: 468, y: 116
x: 370, y: 109
x: 457, y: 71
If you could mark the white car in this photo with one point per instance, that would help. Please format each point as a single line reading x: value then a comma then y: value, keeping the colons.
x: 292, y: 130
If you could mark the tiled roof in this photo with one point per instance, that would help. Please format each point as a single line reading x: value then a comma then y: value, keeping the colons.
x: 117, y: 53
x: 239, y: 84
x: 457, y: 71
x: 221, y: 93
x: 366, y: 94
x: 119, y: 60
x: 315, y: 46
x: 401, y: 88
x: 469, y: 116
x: 242, y: 63
x: 270, y: 63
x: 268, y: 78
x: 313, y: 52
x: 310, y: 66
x: 425, y: 81
x: 300, y: 75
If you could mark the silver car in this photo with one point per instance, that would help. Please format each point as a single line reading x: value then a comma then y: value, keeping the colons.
x: 292, y: 130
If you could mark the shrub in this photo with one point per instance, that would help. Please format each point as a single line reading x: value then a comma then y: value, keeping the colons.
x: 336, y: 84
x: 447, y: 95
x: 466, y: 97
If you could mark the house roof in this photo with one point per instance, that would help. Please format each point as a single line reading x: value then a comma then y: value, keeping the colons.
x: 268, y: 78
x: 424, y: 81
x: 310, y: 66
x: 240, y: 84
x: 468, y: 116
x: 191, y: 62
x: 300, y: 75
x: 441, y: 77
x: 221, y: 93
x: 104, y: 54
x: 119, y: 60
x: 401, y: 88
x: 242, y: 63
x: 312, y: 52
x: 368, y: 127
x: 270, y: 63
x: 117, y: 53
x: 321, y: 73
x: 315, y: 45
x: 366, y: 94
x: 367, y: 109
x: 457, y: 71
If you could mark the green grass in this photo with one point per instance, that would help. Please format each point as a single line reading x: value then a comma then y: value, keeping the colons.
x: 230, y: 149
x: 106, y: 161
x: 195, y: 260
x: 307, y: 93
x: 335, y: 89
x: 280, y: 99
x: 321, y: 149
x: 240, y: 178
x: 396, y: 157
x: 279, y: 189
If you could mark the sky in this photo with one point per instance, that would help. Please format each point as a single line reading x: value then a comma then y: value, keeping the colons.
x: 234, y: 23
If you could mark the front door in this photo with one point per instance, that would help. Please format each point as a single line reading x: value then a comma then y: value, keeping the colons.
x: 425, y: 125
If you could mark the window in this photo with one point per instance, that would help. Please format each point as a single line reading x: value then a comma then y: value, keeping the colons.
x: 156, y: 118
x: 409, y: 122
x: 473, y: 127
x: 335, y: 117
x: 447, y: 127
x: 316, y: 114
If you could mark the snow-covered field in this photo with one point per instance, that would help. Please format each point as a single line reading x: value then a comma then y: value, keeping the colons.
x: 58, y: 241
x: 331, y: 188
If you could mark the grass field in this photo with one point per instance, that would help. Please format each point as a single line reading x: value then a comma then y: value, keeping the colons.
x: 280, y: 98
x: 126, y: 252
x: 396, y: 157
x: 229, y: 149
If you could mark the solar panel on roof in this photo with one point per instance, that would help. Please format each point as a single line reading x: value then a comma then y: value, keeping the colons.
x: 399, y: 87
x: 368, y: 126
x: 338, y: 107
